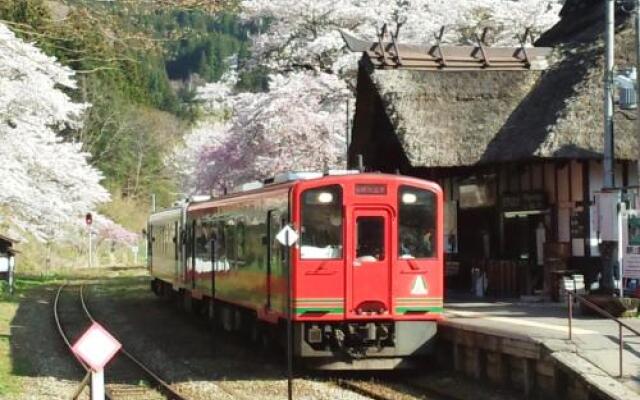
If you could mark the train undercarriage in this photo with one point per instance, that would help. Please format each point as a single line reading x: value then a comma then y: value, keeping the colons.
x: 323, y: 345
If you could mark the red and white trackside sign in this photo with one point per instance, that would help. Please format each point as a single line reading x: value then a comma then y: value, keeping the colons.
x: 96, y: 347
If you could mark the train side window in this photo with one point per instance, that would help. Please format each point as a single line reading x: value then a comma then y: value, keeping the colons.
x: 322, y: 220
x: 165, y: 239
x: 222, y: 262
x: 230, y: 241
x: 254, y: 240
x: 200, y: 239
x: 416, y: 223
x: 161, y: 239
x: 241, y: 235
x: 204, y: 233
x: 275, y: 248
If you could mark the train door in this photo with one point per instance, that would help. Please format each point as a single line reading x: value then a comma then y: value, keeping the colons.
x: 176, y: 249
x: 370, y: 262
x: 191, y: 246
x: 274, y: 256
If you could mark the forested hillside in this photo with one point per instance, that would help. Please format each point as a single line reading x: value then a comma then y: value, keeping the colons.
x: 176, y: 97
x: 125, y: 57
x: 135, y: 68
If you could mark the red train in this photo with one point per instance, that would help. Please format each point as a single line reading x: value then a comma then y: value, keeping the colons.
x: 367, y: 269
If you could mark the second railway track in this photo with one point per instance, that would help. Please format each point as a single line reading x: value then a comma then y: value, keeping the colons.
x: 73, y: 317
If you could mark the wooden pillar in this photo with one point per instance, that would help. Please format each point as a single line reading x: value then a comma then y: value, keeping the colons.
x: 529, y: 376
x: 478, y: 362
x: 554, y: 218
x: 457, y: 357
x: 560, y: 382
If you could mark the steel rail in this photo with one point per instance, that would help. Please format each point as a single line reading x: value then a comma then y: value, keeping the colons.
x: 355, y: 388
x: 430, y: 391
x: 361, y: 389
x: 63, y: 333
x: 230, y: 392
x: 65, y: 338
x: 163, y: 386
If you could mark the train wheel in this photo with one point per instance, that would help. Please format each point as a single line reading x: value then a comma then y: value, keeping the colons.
x: 187, y: 301
x: 254, y: 331
x: 238, y: 321
x: 226, y: 319
x: 196, y: 307
x: 167, y: 291
x: 265, y: 338
x: 211, y: 310
x: 154, y: 287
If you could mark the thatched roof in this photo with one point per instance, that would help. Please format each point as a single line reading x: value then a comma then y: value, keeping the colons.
x: 563, y: 117
x: 443, y: 119
x: 7, y: 239
x: 449, y: 118
x: 5, y: 245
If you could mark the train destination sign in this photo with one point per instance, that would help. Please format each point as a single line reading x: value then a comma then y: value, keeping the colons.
x: 371, y: 189
x: 96, y: 347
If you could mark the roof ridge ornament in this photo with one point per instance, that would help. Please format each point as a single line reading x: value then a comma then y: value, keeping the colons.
x: 395, y: 46
x: 481, y: 40
x: 439, y: 36
x: 383, y: 49
x: 388, y: 53
x: 523, y: 43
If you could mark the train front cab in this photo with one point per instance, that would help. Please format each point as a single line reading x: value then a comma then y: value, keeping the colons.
x: 368, y: 276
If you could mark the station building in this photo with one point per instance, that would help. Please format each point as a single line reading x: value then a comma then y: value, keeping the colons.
x: 513, y: 135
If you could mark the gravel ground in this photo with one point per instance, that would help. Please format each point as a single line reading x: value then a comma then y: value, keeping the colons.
x: 188, y: 356
x: 178, y: 347
x: 51, y: 372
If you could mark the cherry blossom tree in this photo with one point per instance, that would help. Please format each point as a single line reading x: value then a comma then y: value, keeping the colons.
x: 106, y: 229
x: 190, y: 161
x: 305, y: 33
x: 208, y: 133
x: 46, y: 183
x: 299, y: 123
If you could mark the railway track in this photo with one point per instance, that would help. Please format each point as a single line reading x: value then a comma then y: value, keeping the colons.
x: 134, y: 369
x: 153, y: 387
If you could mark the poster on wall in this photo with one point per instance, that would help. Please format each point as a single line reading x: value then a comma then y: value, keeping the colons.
x: 451, y: 227
x: 607, y: 215
x: 578, y: 231
x: 631, y: 237
x: 593, y: 232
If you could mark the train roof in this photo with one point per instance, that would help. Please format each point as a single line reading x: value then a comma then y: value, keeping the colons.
x: 169, y: 214
x: 295, y: 179
x: 278, y: 185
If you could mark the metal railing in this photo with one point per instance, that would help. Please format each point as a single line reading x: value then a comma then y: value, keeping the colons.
x: 605, y: 314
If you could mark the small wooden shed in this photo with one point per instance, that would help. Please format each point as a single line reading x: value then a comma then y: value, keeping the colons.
x: 7, y: 260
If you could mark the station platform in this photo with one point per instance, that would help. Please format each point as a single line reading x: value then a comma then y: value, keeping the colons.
x: 534, y: 339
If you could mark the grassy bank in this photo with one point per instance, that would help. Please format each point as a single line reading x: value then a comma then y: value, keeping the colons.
x: 12, y: 369
x: 8, y: 383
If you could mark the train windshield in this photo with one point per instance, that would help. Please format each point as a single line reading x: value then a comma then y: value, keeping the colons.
x: 321, y: 230
x: 416, y: 223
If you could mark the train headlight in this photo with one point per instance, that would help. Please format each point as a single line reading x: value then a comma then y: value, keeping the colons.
x: 409, y: 198
x: 325, y: 197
